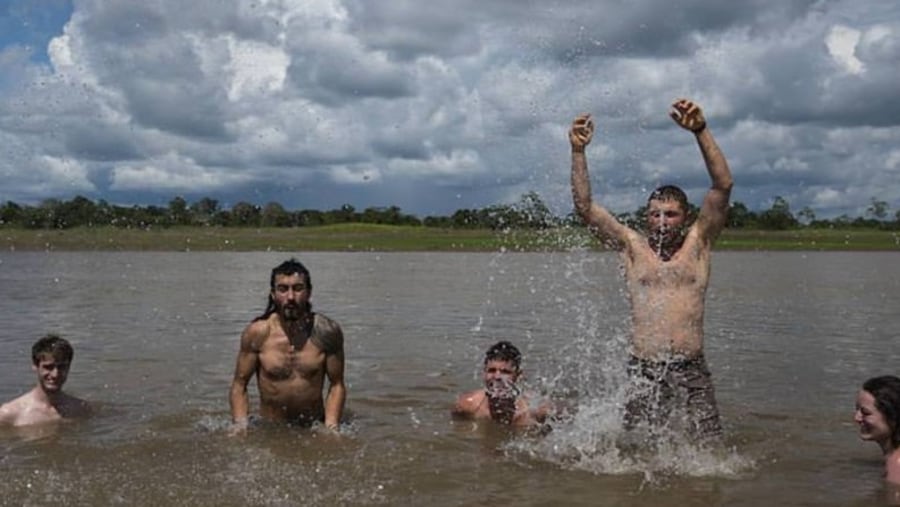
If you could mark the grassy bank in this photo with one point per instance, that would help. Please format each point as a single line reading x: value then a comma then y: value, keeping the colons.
x: 371, y: 237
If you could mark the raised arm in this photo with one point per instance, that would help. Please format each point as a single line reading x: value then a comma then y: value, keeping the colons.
x: 337, y: 390
x: 714, y: 211
x: 246, y: 367
x: 598, y: 219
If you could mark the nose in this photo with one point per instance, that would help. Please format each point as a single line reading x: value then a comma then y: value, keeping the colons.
x: 857, y: 416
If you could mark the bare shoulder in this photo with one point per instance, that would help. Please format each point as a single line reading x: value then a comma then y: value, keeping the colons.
x: 327, y: 334
x: 892, y: 468
x: 8, y: 412
x: 697, y: 239
x: 12, y: 411
x: 255, y: 334
x: 326, y: 324
x: 467, y: 403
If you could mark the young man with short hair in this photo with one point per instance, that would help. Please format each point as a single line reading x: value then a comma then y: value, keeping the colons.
x: 666, y: 273
x: 501, y: 400
x: 51, y: 357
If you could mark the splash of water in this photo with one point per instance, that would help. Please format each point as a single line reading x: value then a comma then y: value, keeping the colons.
x: 592, y: 387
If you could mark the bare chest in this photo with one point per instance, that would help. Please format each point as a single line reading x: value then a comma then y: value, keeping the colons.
x: 685, y: 270
x: 278, y: 360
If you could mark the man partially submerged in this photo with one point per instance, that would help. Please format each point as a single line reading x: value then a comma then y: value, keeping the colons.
x: 501, y: 399
x: 51, y: 357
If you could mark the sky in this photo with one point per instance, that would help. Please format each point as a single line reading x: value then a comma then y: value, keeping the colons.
x: 440, y: 106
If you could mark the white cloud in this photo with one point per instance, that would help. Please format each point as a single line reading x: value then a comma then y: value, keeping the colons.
x: 395, y: 103
x: 841, y: 42
x: 172, y: 172
x: 257, y: 69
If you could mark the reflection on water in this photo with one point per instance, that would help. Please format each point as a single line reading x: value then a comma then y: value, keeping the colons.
x: 789, y: 338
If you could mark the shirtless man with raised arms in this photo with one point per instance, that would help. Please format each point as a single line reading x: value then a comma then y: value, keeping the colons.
x: 666, y: 272
x: 291, y: 350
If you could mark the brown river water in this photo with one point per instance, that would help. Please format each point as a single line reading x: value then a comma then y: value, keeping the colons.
x: 789, y: 339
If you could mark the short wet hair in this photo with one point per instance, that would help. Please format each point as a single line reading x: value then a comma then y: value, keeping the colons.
x: 58, y: 348
x: 670, y: 193
x: 504, y: 351
x: 886, y: 391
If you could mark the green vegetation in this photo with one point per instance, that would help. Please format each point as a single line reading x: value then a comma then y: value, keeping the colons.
x: 386, y: 238
x: 527, y: 225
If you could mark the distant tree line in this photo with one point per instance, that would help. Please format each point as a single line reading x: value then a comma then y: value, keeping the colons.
x: 530, y: 212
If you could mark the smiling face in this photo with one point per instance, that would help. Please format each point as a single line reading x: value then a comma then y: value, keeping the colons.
x: 872, y: 424
x: 52, y: 373
x: 291, y: 293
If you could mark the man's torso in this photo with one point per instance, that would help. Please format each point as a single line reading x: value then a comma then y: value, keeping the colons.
x: 667, y: 298
x: 291, y: 377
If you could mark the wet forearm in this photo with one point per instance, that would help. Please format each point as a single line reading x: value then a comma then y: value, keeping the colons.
x: 334, y: 404
x: 240, y: 405
x: 581, y: 182
x: 716, y: 165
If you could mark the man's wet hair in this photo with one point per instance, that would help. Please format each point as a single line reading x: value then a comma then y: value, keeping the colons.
x: 52, y: 345
x: 886, y: 391
x: 288, y: 267
x: 670, y: 193
x: 504, y: 351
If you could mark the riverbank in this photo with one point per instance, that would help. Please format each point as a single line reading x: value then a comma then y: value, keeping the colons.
x: 374, y: 237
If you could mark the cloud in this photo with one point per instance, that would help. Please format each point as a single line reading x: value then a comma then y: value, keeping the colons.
x: 435, y: 106
x: 841, y: 42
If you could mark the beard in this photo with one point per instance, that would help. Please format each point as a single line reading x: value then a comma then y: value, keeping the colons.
x: 292, y: 311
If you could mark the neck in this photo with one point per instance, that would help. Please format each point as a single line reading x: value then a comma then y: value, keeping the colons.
x: 50, y: 398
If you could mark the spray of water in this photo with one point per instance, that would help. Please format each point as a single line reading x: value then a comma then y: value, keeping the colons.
x: 592, y: 388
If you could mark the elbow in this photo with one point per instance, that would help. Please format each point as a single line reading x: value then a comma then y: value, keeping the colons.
x: 582, y: 206
x: 725, y: 184
x: 728, y: 185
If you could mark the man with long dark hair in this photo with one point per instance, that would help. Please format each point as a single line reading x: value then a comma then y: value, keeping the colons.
x: 666, y: 272
x: 291, y: 350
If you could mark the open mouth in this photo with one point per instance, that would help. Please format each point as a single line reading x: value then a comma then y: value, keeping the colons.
x: 501, y: 388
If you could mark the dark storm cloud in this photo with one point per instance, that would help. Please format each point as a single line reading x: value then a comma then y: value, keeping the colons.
x: 439, y: 106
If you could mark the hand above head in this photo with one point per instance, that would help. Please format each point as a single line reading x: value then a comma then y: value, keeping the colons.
x: 688, y: 115
x: 581, y: 132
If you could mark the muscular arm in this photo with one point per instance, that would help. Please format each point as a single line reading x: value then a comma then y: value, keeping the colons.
x: 337, y: 390
x: 246, y: 367
x: 600, y: 221
x: 714, y: 211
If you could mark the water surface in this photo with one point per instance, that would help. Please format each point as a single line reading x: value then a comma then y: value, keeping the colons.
x: 790, y: 336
